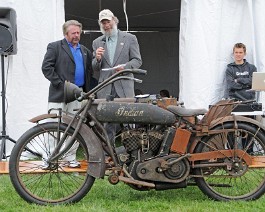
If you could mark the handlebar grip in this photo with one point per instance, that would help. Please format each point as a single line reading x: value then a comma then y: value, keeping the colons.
x: 138, y: 80
x: 139, y: 71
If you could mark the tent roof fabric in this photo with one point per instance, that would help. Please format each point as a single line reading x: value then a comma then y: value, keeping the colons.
x: 142, y: 15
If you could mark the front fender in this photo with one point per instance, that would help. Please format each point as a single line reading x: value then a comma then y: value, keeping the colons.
x: 96, y: 163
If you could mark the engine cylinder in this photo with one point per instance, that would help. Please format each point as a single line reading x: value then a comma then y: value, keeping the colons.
x: 145, y: 141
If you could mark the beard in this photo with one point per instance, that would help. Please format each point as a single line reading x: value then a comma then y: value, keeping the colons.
x: 111, y: 32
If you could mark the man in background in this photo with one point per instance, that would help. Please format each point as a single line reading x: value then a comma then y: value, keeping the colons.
x: 239, y: 75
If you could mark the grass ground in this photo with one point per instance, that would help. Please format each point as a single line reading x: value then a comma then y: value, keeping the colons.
x: 106, y: 197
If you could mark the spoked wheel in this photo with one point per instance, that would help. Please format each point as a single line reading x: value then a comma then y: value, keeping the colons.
x: 236, y: 180
x: 60, y: 181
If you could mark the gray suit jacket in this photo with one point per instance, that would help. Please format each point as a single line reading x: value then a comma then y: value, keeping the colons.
x: 127, y: 52
x: 58, y: 66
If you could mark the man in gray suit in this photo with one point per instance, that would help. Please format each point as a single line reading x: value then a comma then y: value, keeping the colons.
x: 111, y: 49
x: 114, y: 48
x: 67, y: 60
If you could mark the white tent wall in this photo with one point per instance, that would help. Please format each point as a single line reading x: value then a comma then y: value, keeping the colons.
x: 208, y: 31
x: 38, y: 23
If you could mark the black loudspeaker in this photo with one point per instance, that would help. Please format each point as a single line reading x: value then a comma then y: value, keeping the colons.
x: 8, y: 31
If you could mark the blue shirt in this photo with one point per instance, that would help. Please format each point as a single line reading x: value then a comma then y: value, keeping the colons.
x: 79, y: 65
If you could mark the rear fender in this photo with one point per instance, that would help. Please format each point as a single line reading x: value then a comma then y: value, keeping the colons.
x: 43, y: 117
x: 223, y: 120
x: 96, y: 163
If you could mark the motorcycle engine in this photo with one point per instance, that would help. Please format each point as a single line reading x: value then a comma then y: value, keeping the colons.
x: 141, y: 144
x: 144, y: 159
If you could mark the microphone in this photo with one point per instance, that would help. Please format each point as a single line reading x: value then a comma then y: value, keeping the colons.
x: 103, y: 42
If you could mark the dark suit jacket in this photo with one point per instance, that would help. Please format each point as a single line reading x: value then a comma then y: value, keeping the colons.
x: 58, y: 66
x: 127, y: 52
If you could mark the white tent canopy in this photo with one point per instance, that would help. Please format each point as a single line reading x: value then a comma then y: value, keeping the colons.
x: 208, y: 30
x: 38, y: 23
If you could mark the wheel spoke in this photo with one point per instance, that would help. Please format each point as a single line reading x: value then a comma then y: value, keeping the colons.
x: 49, y: 183
x: 236, y: 181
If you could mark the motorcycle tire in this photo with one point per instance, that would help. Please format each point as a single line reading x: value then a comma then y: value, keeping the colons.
x: 237, y: 181
x: 59, y: 182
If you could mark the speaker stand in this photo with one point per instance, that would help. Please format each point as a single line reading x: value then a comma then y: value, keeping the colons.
x: 3, y: 135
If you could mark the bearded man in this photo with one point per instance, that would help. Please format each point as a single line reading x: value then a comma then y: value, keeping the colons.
x: 114, y: 48
x: 111, y: 49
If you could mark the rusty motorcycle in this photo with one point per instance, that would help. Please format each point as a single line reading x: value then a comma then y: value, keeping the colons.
x: 165, y: 146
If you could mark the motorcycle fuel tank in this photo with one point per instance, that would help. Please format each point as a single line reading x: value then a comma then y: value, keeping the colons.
x: 141, y: 113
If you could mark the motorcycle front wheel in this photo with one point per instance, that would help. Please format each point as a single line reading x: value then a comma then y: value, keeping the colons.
x: 65, y: 180
x: 236, y: 180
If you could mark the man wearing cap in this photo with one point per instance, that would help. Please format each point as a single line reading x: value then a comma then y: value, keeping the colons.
x: 111, y: 49
x: 114, y: 48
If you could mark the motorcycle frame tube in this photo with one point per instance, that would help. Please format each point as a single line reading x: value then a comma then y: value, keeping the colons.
x: 94, y: 147
x: 109, y: 147
x: 221, y: 154
x: 83, y: 111
x: 96, y: 161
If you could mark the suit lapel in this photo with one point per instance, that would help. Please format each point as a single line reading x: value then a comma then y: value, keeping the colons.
x: 119, y: 47
x: 67, y: 49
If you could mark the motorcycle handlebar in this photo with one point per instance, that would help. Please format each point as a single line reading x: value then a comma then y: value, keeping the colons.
x: 117, y: 76
x: 72, y: 92
x: 134, y: 71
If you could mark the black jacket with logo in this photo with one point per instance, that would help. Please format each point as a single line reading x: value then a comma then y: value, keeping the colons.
x: 243, y: 75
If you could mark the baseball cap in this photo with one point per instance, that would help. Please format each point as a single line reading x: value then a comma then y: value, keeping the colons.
x: 105, y: 14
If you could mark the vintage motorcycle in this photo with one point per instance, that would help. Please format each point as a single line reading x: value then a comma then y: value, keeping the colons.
x: 165, y: 146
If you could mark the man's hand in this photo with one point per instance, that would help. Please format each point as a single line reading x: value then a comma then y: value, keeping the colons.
x: 119, y: 68
x: 99, y: 52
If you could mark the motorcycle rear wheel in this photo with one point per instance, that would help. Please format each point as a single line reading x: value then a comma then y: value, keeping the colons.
x: 238, y: 182
x: 54, y: 183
